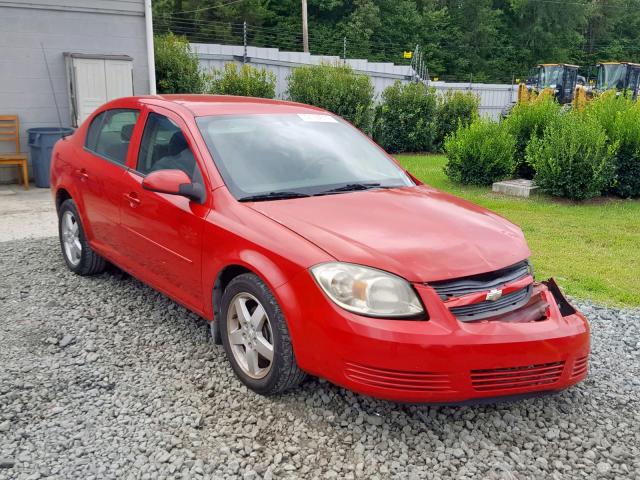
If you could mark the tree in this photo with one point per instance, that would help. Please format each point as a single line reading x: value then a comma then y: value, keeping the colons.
x: 487, y: 40
x: 177, y: 68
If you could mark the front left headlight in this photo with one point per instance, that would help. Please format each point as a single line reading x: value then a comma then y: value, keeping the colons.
x: 367, y: 291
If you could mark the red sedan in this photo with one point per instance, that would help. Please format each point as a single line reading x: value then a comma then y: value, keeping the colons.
x: 310, y: 250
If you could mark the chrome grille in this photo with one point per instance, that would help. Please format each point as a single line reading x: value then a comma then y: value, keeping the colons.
x: 482, y: 282
x: 488, y: 308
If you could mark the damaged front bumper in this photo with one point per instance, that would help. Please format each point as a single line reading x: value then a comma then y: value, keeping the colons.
x: 541, y: 346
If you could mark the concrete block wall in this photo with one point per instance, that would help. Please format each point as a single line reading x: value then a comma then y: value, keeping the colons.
x: 104, y: 27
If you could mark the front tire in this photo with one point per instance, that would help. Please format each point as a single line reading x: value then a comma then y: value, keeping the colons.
x: 76, y: 251
x: 256, y: 338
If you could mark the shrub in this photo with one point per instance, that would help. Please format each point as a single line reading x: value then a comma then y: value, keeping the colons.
x: 454, y: 108
x: 606, y: 108
x: 177, y: 67
x: 620, y: 118
x: 335, y: 88
x: 626, y: 135
x: 246, y: 81
x: 528, y: 120
x: 572, y: 159
x: 405, y: 118
x: 480, y: 153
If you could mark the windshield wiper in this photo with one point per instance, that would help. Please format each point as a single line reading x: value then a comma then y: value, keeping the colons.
x: 350, y: 187
x: 272, y: 196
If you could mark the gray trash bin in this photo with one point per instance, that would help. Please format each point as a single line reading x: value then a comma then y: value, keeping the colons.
x: 41, y: 142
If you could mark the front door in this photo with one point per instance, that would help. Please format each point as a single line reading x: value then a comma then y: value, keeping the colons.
x: 164, y: 232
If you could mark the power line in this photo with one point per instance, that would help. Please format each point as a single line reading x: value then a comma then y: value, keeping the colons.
x: 276, y: 35
x: 277, y: 31
x: 212, y: 7
x: 583, y: 4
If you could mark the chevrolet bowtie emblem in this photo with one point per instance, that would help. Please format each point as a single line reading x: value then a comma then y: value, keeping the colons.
x: 494, y: 295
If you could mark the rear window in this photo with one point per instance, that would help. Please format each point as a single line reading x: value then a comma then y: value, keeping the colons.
x: 110, y: 133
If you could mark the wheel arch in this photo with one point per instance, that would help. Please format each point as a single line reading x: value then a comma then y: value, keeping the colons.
x: 67, y: 191
x: 62, y: 195
x: 224, y: 277
x: 249, y: 261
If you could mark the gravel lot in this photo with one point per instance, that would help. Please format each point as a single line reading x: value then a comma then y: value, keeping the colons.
x: 104, y: 378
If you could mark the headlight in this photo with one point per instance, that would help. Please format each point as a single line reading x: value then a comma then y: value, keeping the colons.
x: 367, y: 291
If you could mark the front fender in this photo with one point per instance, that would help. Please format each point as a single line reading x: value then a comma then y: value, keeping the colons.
x: 253, y: 261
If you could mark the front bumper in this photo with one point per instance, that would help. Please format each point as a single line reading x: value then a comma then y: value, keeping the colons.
x: 438, y: 360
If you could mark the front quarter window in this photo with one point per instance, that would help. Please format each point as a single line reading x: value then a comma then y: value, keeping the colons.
x: 306, y: 154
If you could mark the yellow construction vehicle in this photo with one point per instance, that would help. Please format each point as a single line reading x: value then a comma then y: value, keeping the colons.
x: 619, y: 76
x: 557, y: 79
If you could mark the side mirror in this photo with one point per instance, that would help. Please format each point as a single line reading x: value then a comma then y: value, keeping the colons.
x: 173, y: 182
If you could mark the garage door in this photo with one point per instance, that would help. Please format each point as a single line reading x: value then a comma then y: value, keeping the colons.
x: 96, y: 80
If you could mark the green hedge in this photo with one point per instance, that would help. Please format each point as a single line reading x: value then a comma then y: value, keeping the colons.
x: 336, y: 88
x: 243, y: 80
x: 177, y: 68
x: 573, y: 158
x: 528, y: 120
x: 453, y: 109
x: 405, y: 118
x: 619, y: 115
x: 480, y: 153
x: 626, y: 134
x: 576, y: 154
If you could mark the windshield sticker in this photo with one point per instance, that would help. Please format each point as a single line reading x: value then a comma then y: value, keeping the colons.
x: 313, y: 117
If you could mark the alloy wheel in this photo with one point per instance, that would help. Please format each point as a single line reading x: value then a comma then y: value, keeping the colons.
x: 71, y: 238
x: 250, y: 335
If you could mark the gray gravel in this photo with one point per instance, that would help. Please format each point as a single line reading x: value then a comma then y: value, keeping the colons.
x: 104, y: 378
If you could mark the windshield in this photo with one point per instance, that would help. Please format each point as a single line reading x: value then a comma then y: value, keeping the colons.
x: 299, y: 153
x: 611, y: 76
x: 550, y: 76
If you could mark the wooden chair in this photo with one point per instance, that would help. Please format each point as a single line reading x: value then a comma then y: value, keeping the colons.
x: 10, y: 132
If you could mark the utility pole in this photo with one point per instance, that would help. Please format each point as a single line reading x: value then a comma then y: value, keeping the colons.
x: 244, y: 41
x: 305, y: 28
x: 414, y: 63
x: 344, y: 48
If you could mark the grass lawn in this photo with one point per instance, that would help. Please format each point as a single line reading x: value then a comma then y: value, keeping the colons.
x: 592, y: 249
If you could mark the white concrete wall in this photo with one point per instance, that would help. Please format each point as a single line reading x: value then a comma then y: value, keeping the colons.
x: 494, y: 98
x: 104, y: 27
x: 282, y: 63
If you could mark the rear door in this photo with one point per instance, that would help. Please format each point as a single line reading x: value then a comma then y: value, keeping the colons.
x: 100, y: 173
x: 164, y: 232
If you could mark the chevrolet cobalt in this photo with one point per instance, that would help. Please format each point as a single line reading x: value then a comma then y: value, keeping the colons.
x: 311, y: 251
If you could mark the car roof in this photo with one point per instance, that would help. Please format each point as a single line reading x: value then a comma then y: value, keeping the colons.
x: 204, y: 105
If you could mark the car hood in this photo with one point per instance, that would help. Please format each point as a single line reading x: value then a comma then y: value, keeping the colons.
x: 419, y: 233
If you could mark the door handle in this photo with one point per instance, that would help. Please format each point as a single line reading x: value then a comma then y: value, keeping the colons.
x: 133, y: 199
x: 82, y: 174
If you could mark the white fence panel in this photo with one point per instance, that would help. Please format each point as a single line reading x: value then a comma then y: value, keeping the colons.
x: 494, y: 98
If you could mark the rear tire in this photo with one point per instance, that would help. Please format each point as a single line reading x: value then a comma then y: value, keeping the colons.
x: 256, y: 338
x: 76, y: 251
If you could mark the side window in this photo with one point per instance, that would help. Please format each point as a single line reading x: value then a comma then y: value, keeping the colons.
x: 164, y: 147
x: 110, y: 133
